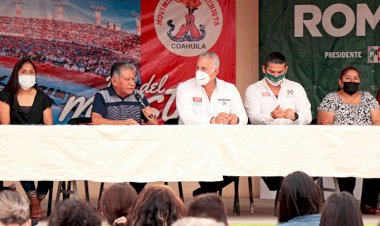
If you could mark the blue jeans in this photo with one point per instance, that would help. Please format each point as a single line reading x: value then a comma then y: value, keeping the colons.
x: 42, y: 187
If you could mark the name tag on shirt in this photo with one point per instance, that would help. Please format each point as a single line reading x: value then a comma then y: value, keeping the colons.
x: 265, y: 94
x: 224, y: 101
x: 197, y: 101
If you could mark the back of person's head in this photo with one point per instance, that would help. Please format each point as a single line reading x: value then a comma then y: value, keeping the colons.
x: 156, y: 205
x: 197, y: 221
x: 14, y: 209
x: 71, y: 212
x: 117, y: 201
x: 341, y: 209
x: 299, y: 196
x: 275, y: 58
x: 208, y: 206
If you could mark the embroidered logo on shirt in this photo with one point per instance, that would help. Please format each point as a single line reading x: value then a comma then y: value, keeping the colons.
x: 265, y: 94
x: 197, y: 99
x: 290, y: 93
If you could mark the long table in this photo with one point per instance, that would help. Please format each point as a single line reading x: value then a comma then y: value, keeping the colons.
x: 185, y: 153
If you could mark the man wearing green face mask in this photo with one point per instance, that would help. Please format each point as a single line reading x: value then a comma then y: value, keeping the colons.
x: 276, y: 100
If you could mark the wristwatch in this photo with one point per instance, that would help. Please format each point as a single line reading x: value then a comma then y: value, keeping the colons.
x: 295, y: 116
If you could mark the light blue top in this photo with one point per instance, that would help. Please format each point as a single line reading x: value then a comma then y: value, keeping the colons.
x: 306, y: 220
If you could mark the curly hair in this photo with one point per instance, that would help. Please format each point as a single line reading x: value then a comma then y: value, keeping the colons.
x: 156, y: 205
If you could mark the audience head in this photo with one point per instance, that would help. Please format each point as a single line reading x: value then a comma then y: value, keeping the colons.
x: 196, y: 221
x: 341, y: 209
x: 24, y: 66
x: 299, y: 196
x: 71, y: 212
x: 208, y: 206
x: 116, y: 202
x: 156, y: 205
x: 14, y: 209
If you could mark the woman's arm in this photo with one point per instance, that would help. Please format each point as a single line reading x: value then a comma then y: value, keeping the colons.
x: 5, y: 113
x: 325, y: 118
x: 375, y: 116
x: 48, y: 116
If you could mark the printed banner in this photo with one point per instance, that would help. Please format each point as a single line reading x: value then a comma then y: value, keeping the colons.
x: 174, y: 33
x: 75, y: 43
x: 320, y: 38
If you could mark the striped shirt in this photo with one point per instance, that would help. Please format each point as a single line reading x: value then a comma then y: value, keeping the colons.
x: 111, y: 106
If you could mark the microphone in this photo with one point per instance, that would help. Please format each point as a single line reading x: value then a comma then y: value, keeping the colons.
x: 141, y: 102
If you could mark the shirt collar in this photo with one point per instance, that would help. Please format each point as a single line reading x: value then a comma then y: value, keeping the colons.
x: 112, y: 92
x: 217, y: 84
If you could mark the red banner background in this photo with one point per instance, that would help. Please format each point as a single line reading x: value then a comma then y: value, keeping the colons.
x: 162, y: 69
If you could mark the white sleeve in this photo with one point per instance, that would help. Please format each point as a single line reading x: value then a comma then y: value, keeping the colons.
x: 252, y: 105
x: 303, y: 107
x: 237, y: 106
x: 185, y: 108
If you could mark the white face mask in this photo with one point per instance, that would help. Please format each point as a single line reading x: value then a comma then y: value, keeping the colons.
x: 202, y: 77
x: 26, y: 81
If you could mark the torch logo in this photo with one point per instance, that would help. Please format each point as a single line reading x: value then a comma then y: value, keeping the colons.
x: 188, y: 27
x: 188, y: 31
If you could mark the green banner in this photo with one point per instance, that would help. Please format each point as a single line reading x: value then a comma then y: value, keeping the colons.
x: 320, y: 38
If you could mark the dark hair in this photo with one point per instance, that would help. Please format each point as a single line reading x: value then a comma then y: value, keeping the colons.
x: 118, y: 66
x: 341, y: 209
x: 299, y: 196
x: 208, y: 206
x: 12, y: 86
x: 71, y: 212
x: 344, y: 71
x: 117, y: 201
x: 156, y: 205
x: 275, y: 58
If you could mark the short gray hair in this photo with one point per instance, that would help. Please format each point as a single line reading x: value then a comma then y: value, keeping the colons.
x: 214, y: 56
x: 14, y: 209
x: 118, y: 66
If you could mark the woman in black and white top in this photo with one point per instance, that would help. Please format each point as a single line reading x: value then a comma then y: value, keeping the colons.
x: 348, y: 106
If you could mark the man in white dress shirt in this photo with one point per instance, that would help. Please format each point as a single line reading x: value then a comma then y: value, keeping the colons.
x: 206, y: 99
x: 275, y: 100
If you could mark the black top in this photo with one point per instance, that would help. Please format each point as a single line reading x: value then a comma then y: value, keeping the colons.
x: 35, y: 114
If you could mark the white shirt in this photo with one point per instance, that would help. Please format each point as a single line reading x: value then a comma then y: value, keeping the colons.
x: 195, y: 108
x: 260, y: 101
